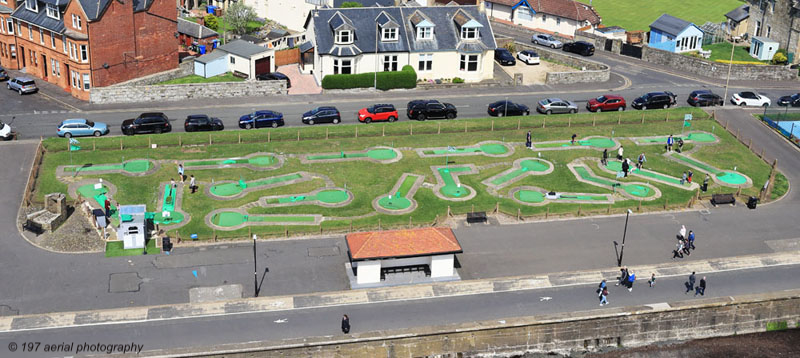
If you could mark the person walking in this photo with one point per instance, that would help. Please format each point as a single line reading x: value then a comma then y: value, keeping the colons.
x: 623, y: 276
x: 528, y: 140
x: 600, y: 288
x: 680, y: 145
x: 691, y: 240
x: 172, y: 185
x: 689, y: 176
x: 670, y: 142
x: 631, y: 279
x: 652, y: 281
x: 192, y: 183
x: 701, y: 288
x: 619, y: 152
x: 625, y: 167
x: 180, y: 172
x: 682, y: 232
x: 345, y: 324
x: 642, y: 159
x: 573, y: 139
x: 690, y: 284
x: 604, y: 296
x: 685, y: 246
x: 605, y: 157
x: 683, y: 178
x: 678, y: 252
x: 107, y: 206
x: 705, y: 183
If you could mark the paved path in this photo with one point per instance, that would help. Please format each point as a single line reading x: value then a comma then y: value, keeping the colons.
x: 301, y: 83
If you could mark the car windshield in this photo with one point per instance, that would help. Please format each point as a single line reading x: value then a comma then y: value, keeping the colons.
x: 548, y: 101
x: 645, y: 97
x: 794, y: 97
x: 90, y: 123
x: 601, y: 99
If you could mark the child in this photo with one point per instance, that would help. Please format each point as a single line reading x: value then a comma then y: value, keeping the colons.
x: 573, y: 139
x: 683, y: 179
x: 689, y: 177
x: 652, y: 281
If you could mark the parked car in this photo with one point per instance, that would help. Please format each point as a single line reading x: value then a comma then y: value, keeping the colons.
x: 202, y: 122
x: 322, y: 115
x: 5, y: 131
x: 546, y: 40
x: 507, y: 108
x: 275, y: 76
x: 749, y: 98
x: 423, y: 109
x: 152, y: 122
x: 261, y: 119
x: 790, y: 101
x: 582, y: 48
x: 22, y: 85
x: 653, y: 100
x: 530, y: 57
x: 606, y: 102
x: 81, y: 127
x: 3, y: 74
x: 702, y: 98
x: 504, y: 57
x: 378, y: 112
x: 556, y: 105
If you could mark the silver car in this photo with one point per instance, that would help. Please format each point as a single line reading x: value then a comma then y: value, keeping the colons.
x: 546, y: 40
x: 556, y: 105
x: 22, y: 85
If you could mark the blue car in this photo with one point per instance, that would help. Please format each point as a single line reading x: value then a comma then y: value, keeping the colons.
x: 81, y: 127
x: 261, y: 119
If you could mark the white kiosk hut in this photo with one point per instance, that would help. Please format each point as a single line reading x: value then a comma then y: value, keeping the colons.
x: 431, y: 250
x: 132, y: 226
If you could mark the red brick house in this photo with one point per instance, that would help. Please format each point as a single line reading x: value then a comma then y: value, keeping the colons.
x: 77, y: 44
x: 192, y: 33
x: 8, y: 46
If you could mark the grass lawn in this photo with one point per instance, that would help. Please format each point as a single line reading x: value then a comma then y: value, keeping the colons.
x: 722, y: 51
x: 227, y: 77
x: 251, y: 26
x: 368, y: 180
x: 638, y: 14
x: 115, y: 248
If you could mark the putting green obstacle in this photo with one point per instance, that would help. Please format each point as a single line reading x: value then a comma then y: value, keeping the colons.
x: 400, y: 199
x: 697, y: 137
x: 534, y: 196
x: 257, y: 161
x: 230, y: 219
x: 520, y: 169
x: 615, y: 166
x: 723, y: 177
x: 592, y: 142
x: 449, y: 187
x: 639, y: 191
x: 487, y: 148
x: 330, y: 197
x: 168, y: 214
x: 99, y: 197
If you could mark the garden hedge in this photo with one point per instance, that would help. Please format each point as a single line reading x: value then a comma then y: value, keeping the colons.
x: 406, y: 78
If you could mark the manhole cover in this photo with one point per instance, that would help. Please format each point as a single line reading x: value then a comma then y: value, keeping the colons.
x: 323, y: 251
x: 124, y: 282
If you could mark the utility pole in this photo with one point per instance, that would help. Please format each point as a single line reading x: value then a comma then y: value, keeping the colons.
x: 624, y: 232
x: 255, y: 267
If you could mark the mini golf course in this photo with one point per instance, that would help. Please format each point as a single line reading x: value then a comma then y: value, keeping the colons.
x: 698, y: 137
x: 492, y: 148
x: 331, y: 197
x: 258, y: 161
x: 400, y: 197
x: 379, y: 154
x: 526, y: 166
x: 451, y: 189
x: 534, y: 196
x: 634, y: 190
x: 168, y: 215
x: 99, y: 196
x: 228, y: 219
x: 730, y: 178
x: 133, y: 166
x: 597, y: 142
x: 236, y: 188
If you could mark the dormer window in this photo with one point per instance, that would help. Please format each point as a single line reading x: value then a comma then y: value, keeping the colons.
x: 389, y: 34
x: 469, y: 33
x: 76, y: 21
x: 32, y: 5
x: 424, y: 33
x: 344, y: 37
x: 52, y: 12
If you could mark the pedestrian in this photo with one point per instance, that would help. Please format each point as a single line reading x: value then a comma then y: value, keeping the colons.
x: 345, y: 324
x: 690, y: 284
x: 623, y: 276
x: 631, y: 279
x: 192, y: 183
x: 619, y: 153
x: 605, y: 157
x: 701, y: 289
x: 600, y: 288
x: 604, y: 296
x: 678, y: 252
x: 683, y: 178
x: 528, y: 140
x: 689, y: 176
x: 642, y: 159
x: 172, y: 183
x: 625, y: 167
x: 107, y: 206
x: 705, y: 183
x: 670, y: 141
x: 691, y: 239
x: 573, y: 139
x: 180, y: 172
x: 682, y: 232
x: 685, y: 245
x: 652, y: 281
x: 680, y: 145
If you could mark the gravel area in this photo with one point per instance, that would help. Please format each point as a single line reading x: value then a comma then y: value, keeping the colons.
x: 76, y: 234
x: 535, y: 74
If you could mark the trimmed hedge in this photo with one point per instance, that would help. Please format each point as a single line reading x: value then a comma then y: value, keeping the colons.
x: 406, y: 78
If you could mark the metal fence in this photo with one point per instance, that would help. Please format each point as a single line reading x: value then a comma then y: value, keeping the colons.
x: 785, y: 121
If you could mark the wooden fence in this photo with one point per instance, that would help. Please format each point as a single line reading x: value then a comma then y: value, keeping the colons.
x: 287, y: 57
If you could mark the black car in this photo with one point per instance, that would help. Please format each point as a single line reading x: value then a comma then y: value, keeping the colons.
x: 790, y: 101
x: 654, y: 100
x: 275, y: 76
x: 580, y: 47
x: 3, y: 74
x: 702, y: 98
x: 261, y: 119
x: 322, y: 115
x: 504, y: 57
x: 507, y: 108
x: 202, y: 122
x: 423, y: 109
x: 153, y: 122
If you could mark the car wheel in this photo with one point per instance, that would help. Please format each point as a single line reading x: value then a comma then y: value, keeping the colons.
x: 20, y: 91
x: 549, y: 112
x: 742, y: 104
x: 336, y: 121
x: 599, y: 109
x: 367, y: 120
x: 68, y: 135
x: 8, y: 86
x: 573, y: 111
x: 420, y: 117
x: 274, y: 124
x: 621, y: 108
x: 765, y: 105
x: 552, y: 46
x: 392, y: 119
x: 500, y: 114
x: 535, y: 42
x: 666, y: 106
x: 97, y: 133
x: 451, y: 115
x: 249, y: 126
x: 311, y: 122
x: 157, y: 130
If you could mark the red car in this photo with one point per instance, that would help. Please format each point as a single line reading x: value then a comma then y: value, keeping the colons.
x: 378, y: 112
x: 607, y: 102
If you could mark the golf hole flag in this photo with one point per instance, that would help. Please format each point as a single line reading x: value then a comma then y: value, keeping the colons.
x: 686, y: 118
x: 73, y: 144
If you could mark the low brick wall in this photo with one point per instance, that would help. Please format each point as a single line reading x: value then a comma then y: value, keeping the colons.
x: 593, y: 71
x: 136, y: 94
x: 588, y: 330
x: 699, y: 66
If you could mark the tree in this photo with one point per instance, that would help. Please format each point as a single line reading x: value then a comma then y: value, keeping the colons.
x: 238, y: 16
x: 211, y: 22
x: 351, y: 4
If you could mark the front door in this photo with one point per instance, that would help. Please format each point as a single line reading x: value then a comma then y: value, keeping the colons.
x: 44, y: 63
x: 22, y: 51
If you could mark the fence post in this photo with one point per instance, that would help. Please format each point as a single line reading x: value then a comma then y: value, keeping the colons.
x: 666, y: 118
x: 594, y: 118
x: 209, y: 139
x: 356, y: 132
x: 737, y: 133
x: 547, y: 213
x: 519, y: 214
x: 762, y: 154
x: 640, y: 206
x: 180, y: 141
x: 544, y: 122
x: 569, y: 121
x: 726, y: 124
x: 240, y: 138
x: 666, y: 202
x: 579, y: 209
x: 383, y: 131
x: 608, y: 210
x: 120, y: 143
x: 465, y: 127
x: 149, y: 142
x: 411, y: 129
x: 472, y: 210
x: 94, y: 144
x: 351, y: 225
x: 519, y: 122
x: 492, y: 125
x: 379, y: 224
x: 439, y: 129
x: 448, y: 211
x: 713, y: 114
x: 642, y: 117
x: 619, y: 118
x: 750, y: 144
x: 298, y: 135
x: 326, y: 133
x: 409, y: 221
x: 269, y: 136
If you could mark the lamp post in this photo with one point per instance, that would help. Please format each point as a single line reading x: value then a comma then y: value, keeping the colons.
x: 728, y: 80
x: 624, y: 233
x: 255, y: 267
x: 376, y: 55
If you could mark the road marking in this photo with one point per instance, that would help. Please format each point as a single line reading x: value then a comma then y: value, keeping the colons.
x: 545, y: 298
x: 65, y: 104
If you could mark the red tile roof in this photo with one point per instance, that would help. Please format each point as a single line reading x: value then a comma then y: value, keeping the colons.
x: 402, y: 243
x: 563, y: 8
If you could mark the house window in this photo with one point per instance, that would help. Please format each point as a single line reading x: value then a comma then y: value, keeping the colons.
x: 524, y: 13
x: 30, y: 32
x: 469, y: 33
x: 13, y: 51
x: 58, y: 69
x: 425, y: 62
x: 10, y: 26
x: 72, y: 75
x: 758, y: 28
x: 390, y: 63
x: 52, y: 39
x: 389, y: 34
x: 344, y: 67
x: 52, y: 11
x: 344, y: 37
x: 425, y: 33
x: 233, y: 60
x: 76, y: 21
x: 558, y: 21
x: 769, y: 30
x: 84, y: 53
x: 544, y: 18
x: 469, y: 63
x: 86, y: 81
x: 32, y: 5
x: 694, y: 42
x: 41, y: 36
x: 53, y: 66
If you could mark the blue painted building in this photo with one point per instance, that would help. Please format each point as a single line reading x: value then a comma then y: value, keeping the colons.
x: 211, y: 64
x: 676, y: 35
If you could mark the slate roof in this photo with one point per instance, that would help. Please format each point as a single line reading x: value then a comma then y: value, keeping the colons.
x: 210, y: 57
x: 94, y: 9
x: 305, y: 46
x: 5, y: 9
x: 670, y: 25
x: 740, y: 13
x: 568, y: 9
x: 402, y: 243
x: 366, y: 3
x: 242, y: 48
x: 195, y: 30
x: 39, y: 18
x: 277, y: 33
x: 446, y: 35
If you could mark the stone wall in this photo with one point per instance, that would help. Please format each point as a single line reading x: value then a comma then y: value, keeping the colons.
x: 591, y: 72
x: 598, y: 41
x: 184, y: 69
x: 588, y: 330
x: 699, y: 66
x: 138, y: 94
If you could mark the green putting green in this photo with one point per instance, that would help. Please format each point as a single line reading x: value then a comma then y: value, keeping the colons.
x: 395, y: 203
x: 174, y: 218
x: 584, y: 173
x: 137, y: 166
x: 582, y: 197
x: 529, y: 196
x: 494, y: 148
x: 168, y: 205
x: 450, y: 189
x: 228, y: 219
x: 381, y: 154
x: 226, y: 189
x: 701, y: 137
x: 732, y: 178
x: 280, y: 218
x: 617, y: 166
x: 98, y: 195
x: 377, y: 154
x: 332, y: 196
x: 525, y: 166
x: 408, y: 183
x: 230, y: 189
x: 261, y: 161
x: 453, y: 151
x: 697, y: 164
x: 638, y: 190
x: 591, y: 142
x: 133, y: 166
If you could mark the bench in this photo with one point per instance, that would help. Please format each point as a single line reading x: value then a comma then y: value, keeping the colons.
x: 32, y: 227
x: 718, y: 199
x: 476, y: 217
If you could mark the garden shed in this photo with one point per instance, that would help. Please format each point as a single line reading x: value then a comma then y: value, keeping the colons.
x: 763, y: 48
x: 211, y: 64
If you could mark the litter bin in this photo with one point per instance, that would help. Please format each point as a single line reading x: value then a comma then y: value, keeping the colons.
x: 202, y: 49
x: 210, y: 9
x: 752, y: 202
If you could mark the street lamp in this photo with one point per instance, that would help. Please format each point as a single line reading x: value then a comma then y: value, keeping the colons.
x: 376, y: 55
x: 624, y: 233
x: 727, y: 81
x: 255, y: 267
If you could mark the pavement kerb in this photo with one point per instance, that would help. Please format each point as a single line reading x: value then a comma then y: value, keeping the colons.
x: 370, y: 296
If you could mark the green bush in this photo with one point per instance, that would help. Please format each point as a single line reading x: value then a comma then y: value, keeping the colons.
x: 407, y: 78
x: 458, y: 80
x: 211, y: 22
x: 779, y: 59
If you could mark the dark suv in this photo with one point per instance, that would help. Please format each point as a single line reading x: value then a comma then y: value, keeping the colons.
x: 423, y: 109
x: 580, y: 47
x: 202, y: 122
x: 154, y: 122
x: 702, y: 98
x: 504, y: 57
x: 654, y: 100
x: 507, y: 108
x: 322, y: 115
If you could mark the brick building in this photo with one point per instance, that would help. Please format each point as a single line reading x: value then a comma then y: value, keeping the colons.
x: 77, y: 44
x: 778, y: 20
x: 8, y: 46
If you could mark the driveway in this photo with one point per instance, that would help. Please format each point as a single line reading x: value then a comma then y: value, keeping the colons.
x: 301, y: 83
x: 535, y: 74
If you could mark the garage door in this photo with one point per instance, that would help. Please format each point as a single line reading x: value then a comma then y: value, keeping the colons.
x: 262, y: 66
